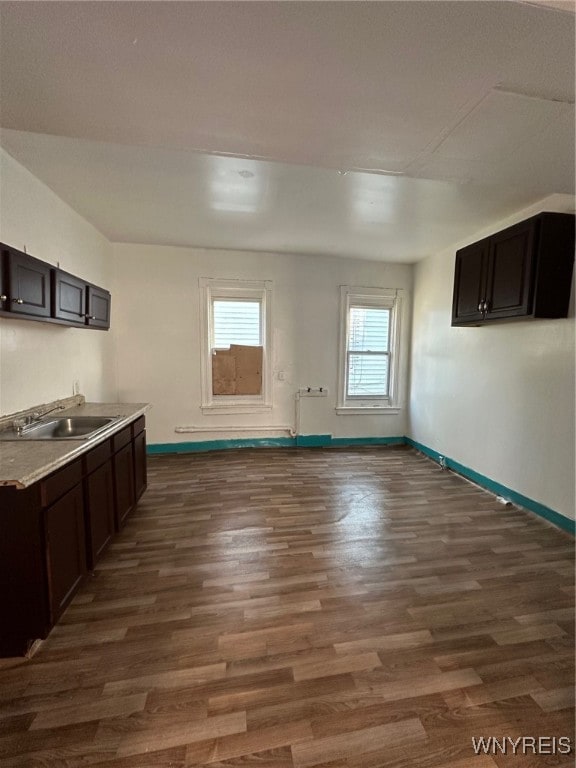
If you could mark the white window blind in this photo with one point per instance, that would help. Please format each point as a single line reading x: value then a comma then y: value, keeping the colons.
x: 368, y: 352
x: 236, y: 322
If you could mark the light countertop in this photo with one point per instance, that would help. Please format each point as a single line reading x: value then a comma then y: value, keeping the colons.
x: 24, y: 462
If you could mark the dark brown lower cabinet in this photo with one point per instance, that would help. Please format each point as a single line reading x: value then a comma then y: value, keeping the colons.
x: 54, y: 531
x: 24, y: 610
x: 99, y: 496
x: 124, y: 484
x: 65, y: 550
x: 140, y: 475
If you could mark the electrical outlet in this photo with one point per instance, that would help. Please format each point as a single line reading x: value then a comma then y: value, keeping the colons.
x: 313, y: 391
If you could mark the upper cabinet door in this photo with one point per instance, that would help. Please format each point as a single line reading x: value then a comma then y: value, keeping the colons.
x: 68, y: 297
x: 469, y: 283
x: 98, y: 307
x: 28, y: 285
x: 508, y: 289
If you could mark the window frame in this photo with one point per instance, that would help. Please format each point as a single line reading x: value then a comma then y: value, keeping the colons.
x: 252, y: 290
x: 377, y: 298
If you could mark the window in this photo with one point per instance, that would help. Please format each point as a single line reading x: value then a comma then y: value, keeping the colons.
x: 236, y: 349
x: 369, y: 350
x: 236, y: 321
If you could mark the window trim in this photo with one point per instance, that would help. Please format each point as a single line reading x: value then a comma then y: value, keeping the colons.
x: 255, y: 290
x: 383, y: 298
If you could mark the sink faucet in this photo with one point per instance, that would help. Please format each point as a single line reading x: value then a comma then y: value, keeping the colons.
x: 21, y: 425
x: 39, y: 416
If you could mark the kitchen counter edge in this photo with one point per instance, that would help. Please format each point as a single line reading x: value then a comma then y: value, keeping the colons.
x: 24, y: 463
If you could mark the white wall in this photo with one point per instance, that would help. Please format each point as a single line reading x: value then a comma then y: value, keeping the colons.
x: 39, y: 362
x: 498, y: 399
x: 157, y: 318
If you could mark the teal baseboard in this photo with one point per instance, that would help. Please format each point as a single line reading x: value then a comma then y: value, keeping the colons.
x: 313, y: 441
x: 221, y: 445
x: 344, y: 441
x: 519, y: 499
x: 326, y: 441
x: 301, y: 441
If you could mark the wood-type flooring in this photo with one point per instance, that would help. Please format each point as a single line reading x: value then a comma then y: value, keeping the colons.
x: 280, y: 608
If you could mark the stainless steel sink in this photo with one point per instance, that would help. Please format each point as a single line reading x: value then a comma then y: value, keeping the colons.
x: 65, y: 428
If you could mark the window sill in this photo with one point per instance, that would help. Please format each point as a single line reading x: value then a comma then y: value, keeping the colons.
x: 354, y: 410
x: 235, y: 408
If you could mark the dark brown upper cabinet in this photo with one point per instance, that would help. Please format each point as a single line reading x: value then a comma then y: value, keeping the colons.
x: 27, y: 283
x: 98, y: 307
x: 68, y: 297
x: 524, y: 271
x: 34, y: 290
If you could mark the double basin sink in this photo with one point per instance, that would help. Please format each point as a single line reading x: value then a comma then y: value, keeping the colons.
x: 61, y: 428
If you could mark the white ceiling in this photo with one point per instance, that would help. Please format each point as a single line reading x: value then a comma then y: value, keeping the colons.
x: 384, y: 130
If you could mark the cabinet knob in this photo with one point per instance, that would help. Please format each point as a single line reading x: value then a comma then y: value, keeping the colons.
x: 486, y: 306
x: 90, y: 317
x: 3, y: 297
x: 480, y: 306
x: 18, y: 301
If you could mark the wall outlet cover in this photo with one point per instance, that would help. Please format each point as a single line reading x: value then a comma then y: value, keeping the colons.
x: 313, y: 391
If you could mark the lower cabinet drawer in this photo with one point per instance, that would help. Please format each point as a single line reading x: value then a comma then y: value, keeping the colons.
x: 61, y: 481
x: 121, y: 438
x: 138, y: 426
x: 97, y: 456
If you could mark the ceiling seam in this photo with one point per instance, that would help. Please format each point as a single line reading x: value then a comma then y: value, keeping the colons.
x: 434, y: 145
